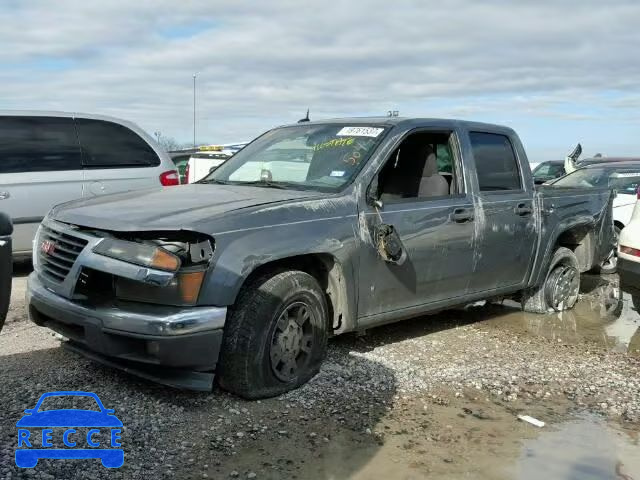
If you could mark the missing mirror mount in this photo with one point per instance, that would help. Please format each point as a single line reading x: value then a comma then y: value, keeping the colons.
x: 389, y: 245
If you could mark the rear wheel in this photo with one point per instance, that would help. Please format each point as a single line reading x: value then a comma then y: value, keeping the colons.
x: 276, y: 336
x: 561, y: 286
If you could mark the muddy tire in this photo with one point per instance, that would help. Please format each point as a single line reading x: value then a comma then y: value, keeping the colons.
x: 560, y: 288
x: 275, y: 337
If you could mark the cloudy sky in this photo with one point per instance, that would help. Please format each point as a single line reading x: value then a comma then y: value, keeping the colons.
x: 558, y: 71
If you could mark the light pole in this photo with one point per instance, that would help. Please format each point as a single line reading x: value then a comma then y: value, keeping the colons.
x: 194, y: 110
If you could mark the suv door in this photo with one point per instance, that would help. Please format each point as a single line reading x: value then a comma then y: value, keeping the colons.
x: 506, y: 227
x: 115, y: 158
x: 39, y: 167
x: 436, y: 233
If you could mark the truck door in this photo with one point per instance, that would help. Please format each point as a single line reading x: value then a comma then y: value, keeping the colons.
x: 424, y: 198
x: 506, y: 233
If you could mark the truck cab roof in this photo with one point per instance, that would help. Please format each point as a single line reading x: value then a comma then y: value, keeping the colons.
x: 415, y: 122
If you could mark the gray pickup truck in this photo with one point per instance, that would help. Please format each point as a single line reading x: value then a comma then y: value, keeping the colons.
x: 312, y: 230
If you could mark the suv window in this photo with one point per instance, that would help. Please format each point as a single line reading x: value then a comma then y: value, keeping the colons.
x: 106, y: 145
x: 38, y: 144
x: 421, y: 168
x: 496, y: 163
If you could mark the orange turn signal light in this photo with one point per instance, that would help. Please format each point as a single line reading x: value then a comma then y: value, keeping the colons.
x: 164, y: 260
x: 189, y: 284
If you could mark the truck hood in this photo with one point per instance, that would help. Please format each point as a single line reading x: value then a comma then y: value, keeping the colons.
x: 173, y: 208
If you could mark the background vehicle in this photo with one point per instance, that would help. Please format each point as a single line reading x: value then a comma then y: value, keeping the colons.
x: 47, y: 158
x: 208, y: 158
x: 247, y: 278
x: 545, y: 171
x: 181, y: 161
x: 202, y: 164
x: 623, y: 177
x: 629, y: 256
x: 6, y: 265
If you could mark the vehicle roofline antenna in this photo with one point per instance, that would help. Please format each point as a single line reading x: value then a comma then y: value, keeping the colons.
x: 305, y: 119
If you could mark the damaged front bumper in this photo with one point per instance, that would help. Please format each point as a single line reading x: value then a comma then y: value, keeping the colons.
x: 138, y: 339
x: 174, y: 345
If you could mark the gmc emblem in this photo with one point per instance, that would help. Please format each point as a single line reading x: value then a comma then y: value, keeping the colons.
x: 48, y: 247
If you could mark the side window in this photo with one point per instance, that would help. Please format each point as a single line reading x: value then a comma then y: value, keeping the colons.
x: 422, y: 167
x: 109, y: 145
x: 38, y: 144
x: 496, y: 163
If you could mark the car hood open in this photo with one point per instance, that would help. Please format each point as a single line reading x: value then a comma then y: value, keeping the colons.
x: 171, y: 208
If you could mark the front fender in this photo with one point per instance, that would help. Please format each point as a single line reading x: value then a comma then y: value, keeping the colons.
x: 239, y: 253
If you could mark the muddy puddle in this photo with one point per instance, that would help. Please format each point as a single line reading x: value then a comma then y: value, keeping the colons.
x: 492, y: 446
x: 604, y: 315
x: 584, y: 449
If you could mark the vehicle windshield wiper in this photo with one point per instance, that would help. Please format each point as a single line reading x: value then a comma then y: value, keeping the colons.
x: 270, y: 184
x: 213, y: 180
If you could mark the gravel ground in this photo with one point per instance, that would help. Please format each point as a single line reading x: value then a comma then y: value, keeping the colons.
x: 434, y: 396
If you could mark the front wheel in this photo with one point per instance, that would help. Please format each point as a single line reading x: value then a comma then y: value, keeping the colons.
x: 561, y: 286
x: 276, y: 336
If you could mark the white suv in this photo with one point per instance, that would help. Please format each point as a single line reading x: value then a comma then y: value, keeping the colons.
x: 629, y: 256
x: 47, y: 158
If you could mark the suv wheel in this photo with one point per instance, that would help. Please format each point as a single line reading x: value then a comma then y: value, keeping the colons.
x: 561, y: 286
x: 275, y: 337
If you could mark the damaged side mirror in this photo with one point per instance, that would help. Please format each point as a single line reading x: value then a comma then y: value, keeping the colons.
x: 389, y: 245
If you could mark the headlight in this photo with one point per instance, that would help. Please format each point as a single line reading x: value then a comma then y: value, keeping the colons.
x: 183, y: 289
x: 139, y: 254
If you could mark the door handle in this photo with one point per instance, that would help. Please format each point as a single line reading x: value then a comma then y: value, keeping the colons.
x: 4, y: 195
x: 462, y: 215
x: 523, y: 209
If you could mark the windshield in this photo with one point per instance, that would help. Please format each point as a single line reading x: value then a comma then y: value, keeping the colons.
x: 623, y: 181
x: 549, y: 170
x: 306, y: 157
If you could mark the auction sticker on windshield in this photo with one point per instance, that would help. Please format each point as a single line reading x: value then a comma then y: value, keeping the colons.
x: 359, y: 131
x: 69, y: 432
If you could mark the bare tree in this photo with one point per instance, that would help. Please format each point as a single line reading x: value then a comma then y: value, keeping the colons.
x: 169, y: 143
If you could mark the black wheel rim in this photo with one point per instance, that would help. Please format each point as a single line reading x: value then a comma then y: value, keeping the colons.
x: 562, y: 287
x: 292, y: 341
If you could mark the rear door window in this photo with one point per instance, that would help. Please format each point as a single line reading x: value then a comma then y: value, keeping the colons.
x: 110, y: 145
x: 38, y: 144
x: 496, y: 162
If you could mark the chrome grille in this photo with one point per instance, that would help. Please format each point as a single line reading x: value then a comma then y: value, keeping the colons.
x: 62, y: 250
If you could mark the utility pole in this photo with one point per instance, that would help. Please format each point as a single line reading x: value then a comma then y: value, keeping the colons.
x: 194, y: 110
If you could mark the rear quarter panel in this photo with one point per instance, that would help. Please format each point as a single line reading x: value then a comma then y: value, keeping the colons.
x: 563, y: 209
